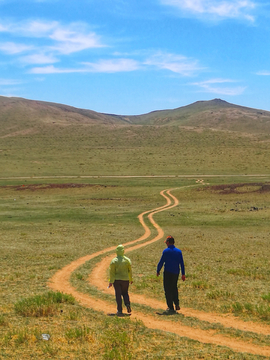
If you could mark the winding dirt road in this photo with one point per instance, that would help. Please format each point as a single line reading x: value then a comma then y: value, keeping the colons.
x: 60, y: 282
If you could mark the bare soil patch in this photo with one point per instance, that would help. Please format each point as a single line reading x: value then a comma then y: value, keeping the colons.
x: 34, y: 187
x: 240, y: 188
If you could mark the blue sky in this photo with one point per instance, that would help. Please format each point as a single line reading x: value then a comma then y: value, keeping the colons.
x: 131, y: 57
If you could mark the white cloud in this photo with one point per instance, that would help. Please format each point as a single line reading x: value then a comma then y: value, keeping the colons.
x: 51, y: 70
x: 38, y: 59
x: 102, y: 66
x: 63, y: 39
x: 2, y: 28
x: 69, y: 41
x: 176, y: 63
x: 34, y: 28
x: 216, y: 8
x: 263, y: 73
x: 112, y: 66
x: 9, y: 82
x: 12, y: 48
x: 215, y: 86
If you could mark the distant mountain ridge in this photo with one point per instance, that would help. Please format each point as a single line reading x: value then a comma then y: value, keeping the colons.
x: 18, y: 113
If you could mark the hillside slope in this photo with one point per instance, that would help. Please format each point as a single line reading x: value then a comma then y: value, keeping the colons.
x: 30, y: 116
x: 210, y: 137
x: 22, y: 115
x: 214, y: 114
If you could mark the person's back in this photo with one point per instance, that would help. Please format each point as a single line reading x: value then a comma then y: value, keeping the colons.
x: 173, y: 259
x: 121, y: 266
x: 120, y: 277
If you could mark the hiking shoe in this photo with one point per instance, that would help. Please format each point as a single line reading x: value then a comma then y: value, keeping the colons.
x: 169, y: 311
x: 177, y: 307
x: 128, y: 309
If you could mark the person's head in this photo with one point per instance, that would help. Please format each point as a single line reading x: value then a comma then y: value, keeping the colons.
x: 120, y: 250
x: 169, y: 240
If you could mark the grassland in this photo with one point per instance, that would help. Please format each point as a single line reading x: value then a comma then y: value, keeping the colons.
x: 69, y: 188
x: 223, y: 232
x: 133, y: 150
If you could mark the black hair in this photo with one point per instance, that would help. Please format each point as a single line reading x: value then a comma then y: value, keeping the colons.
x: 170, y: 239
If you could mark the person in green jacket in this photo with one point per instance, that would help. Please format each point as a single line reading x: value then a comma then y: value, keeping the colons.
x: 120, y: 278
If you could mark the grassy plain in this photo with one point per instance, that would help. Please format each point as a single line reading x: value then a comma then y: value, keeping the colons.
x: 223, y: 232
x: 59, y: 201
x: 132, y: 150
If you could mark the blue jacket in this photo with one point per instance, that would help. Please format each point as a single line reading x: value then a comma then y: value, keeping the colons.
x: 173, y: 259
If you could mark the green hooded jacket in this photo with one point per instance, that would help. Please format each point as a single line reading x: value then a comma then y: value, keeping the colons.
x: 120, y: 267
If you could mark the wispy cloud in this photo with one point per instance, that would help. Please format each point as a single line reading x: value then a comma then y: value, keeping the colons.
x: 39, y: 59
x: 176, y: 63
x: 217, y: 8
x: 102, y: 66
x: 263, y: 73
x: 111, y: 66
x: 160, y: 61
x: 51, y: 69
x: 12, y: 48
x: 9, y: 82
x: 218, y: 86
x: 57, y: 39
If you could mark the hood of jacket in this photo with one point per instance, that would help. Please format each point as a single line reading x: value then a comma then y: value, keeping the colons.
x: 120, y: 250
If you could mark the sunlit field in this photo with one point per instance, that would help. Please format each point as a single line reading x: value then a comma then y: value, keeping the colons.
x: 221, y: 225
x: 72, y: 186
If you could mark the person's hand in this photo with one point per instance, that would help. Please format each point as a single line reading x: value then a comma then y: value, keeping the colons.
x: 158, y: 273
x: 183, y: 277
x: 110, y: 285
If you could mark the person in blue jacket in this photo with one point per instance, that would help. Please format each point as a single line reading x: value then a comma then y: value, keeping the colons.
x: 173, y: 260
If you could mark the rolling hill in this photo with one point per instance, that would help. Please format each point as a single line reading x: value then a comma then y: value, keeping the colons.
x: 213, y: 114
x: 40, y: 139
x: 17, y: 114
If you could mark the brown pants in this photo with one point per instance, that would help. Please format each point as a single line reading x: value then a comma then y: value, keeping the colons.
x: 121, y: 290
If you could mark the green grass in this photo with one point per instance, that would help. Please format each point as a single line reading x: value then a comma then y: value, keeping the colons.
x: 133, y: 150
x: 226, y: 254
x: 222, y: 229
x: 42, y: 305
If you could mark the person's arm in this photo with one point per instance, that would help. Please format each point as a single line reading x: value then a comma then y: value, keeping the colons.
x: 160, y: 264
x: 182, y: 267
x: 112, y: 274
x: 130, y: 273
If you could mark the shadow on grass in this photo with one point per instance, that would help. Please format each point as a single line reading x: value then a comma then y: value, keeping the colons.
x: 119, y: 315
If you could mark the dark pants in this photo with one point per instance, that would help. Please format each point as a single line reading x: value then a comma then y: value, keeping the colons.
x: 121, y: 289
x: 170, y: 288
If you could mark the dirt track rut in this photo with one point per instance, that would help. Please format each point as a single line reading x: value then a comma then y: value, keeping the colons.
x: 60, y: 282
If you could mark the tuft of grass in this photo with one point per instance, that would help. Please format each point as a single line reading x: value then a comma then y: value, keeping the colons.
x: 50, y: 349
x: 218, y: 294
x: 247, y: 273
x: 82, y: 333
x: 42, y: 305
x: 261, y: 311
x: 118, y: 341
x: 3, y: 321
x: 202, y: 285
x: 79, y: 276
x: 266, y: 297
x: 72, y: 315
x: 17, y: 337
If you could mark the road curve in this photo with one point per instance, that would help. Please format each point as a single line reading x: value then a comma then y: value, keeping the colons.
x: 60, y: 282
